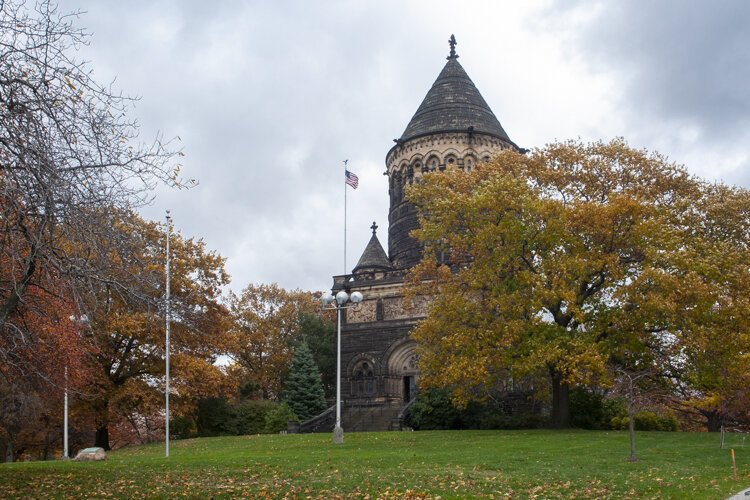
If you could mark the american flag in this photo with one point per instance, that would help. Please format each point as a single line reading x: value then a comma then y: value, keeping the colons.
x: 352, y: 179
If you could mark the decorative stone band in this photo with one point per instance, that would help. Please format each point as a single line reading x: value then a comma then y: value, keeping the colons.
x: 394, y: 308
x: 344, y: 280
x: 420, y: 151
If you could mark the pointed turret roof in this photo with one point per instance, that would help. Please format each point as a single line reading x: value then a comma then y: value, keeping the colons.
x: 453, y: 104
x: 374, y: 257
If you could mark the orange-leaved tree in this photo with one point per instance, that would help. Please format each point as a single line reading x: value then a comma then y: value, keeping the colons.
x: 126, y: 322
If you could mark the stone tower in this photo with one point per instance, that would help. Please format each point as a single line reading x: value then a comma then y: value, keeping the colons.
x: 452, y: 128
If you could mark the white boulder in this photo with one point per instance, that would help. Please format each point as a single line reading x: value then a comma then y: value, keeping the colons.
x: 91, y: 455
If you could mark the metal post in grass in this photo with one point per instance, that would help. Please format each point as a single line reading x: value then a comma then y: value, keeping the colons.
x: 66, y: 455
x: 339, y: 303
x: 166, y: 314
x: 79, y: 321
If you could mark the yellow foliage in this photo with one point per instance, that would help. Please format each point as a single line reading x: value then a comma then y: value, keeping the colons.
x: 577, y: 256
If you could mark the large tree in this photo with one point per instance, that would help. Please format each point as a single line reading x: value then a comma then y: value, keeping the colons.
x: 572, y: 257
x: 319, y: 332
x: 267, y: 324
x: 713, y: 341
x: 126, y: 321
x: 33, y: 374
x: 67, y: 148
x: 303, y: 390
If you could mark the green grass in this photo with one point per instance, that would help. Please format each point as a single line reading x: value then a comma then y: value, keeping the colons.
x: 458, y: 464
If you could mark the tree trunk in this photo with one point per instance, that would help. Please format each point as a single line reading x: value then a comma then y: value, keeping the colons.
x: 102, y: 425
x: 713, y: 421
x: 102, y: 437
x: 560, y: 401
x: 9, y: 450
x: 631, y: 426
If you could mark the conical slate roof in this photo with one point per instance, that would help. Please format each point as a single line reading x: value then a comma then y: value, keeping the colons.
x: 374, y: 257
x: 453, y: 104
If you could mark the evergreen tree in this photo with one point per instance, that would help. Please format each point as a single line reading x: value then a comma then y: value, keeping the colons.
x: 320, y: 335
x: 304, y: 390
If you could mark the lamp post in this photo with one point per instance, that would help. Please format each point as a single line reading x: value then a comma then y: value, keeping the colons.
x: 339, y: 303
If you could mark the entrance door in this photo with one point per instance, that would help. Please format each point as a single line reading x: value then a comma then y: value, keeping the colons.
x: 410, y: 388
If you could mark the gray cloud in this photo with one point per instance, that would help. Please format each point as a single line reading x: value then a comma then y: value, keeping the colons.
x: 681, y: 71
x: 268, y: 98
x: 688, y: 61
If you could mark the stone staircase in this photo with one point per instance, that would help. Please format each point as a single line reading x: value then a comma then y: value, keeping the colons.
x: 371, y: 418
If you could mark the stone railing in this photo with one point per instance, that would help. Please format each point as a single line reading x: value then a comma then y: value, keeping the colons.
x: 319, y: 423
x: 344, y: 280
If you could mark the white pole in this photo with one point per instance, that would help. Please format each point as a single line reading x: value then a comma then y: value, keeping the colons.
x: 345, y: 179
x: 338, y: 432
x: 169, y: 230
x: 66, y: 455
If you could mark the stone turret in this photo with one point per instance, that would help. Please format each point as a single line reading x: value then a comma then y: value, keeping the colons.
x: 452, y: 128
x: 373, y: 258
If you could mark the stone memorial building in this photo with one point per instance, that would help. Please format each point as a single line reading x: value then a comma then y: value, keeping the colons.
x: 453, y: 128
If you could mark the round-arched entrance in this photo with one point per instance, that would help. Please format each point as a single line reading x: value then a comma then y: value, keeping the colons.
x: 403, y: 374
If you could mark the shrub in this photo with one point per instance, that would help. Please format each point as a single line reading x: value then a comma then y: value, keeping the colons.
x: 619, y: 423
x: 213, y: 417
x: 276, y: 420
x: 492, y: 417
x: 613, y: 407
x: 591, y: 410
x: 433, y: 411
x: 646, y: 420
x: 249, y: 417
x: 218, y: 417
x: 182, y: 427
x: 669, y: 423
x: 587, y: 409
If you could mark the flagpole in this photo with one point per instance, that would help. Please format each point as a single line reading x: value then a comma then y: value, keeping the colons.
x: 345, y: 162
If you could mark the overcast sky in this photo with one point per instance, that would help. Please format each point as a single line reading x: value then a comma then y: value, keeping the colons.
x: 269, y: 98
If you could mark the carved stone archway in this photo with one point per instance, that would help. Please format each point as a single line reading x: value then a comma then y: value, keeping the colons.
x: 402, y: 370
x: 362, y: 373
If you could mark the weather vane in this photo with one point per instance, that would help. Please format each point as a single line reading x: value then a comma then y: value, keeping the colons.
x: 452, y: 42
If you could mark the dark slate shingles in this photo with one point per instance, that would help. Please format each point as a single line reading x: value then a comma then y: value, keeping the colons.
x: 453, y: 104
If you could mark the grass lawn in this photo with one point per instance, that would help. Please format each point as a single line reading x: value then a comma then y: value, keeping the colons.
x: 447, y: 464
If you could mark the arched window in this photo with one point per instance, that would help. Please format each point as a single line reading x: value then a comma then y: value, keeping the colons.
x: 468, y: 163
x: 397, y: 192
x: 363, y: 380
x: 432, y: 164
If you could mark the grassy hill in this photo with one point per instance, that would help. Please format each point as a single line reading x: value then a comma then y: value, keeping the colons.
x: 449, y: 464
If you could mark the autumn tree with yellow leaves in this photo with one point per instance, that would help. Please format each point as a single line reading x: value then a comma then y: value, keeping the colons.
x: 126, y: 324
x: 267, y: 324
x: 578, y: 257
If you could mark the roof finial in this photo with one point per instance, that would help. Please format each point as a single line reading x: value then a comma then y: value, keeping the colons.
x: 452, y: 42
x: 374, y: 227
